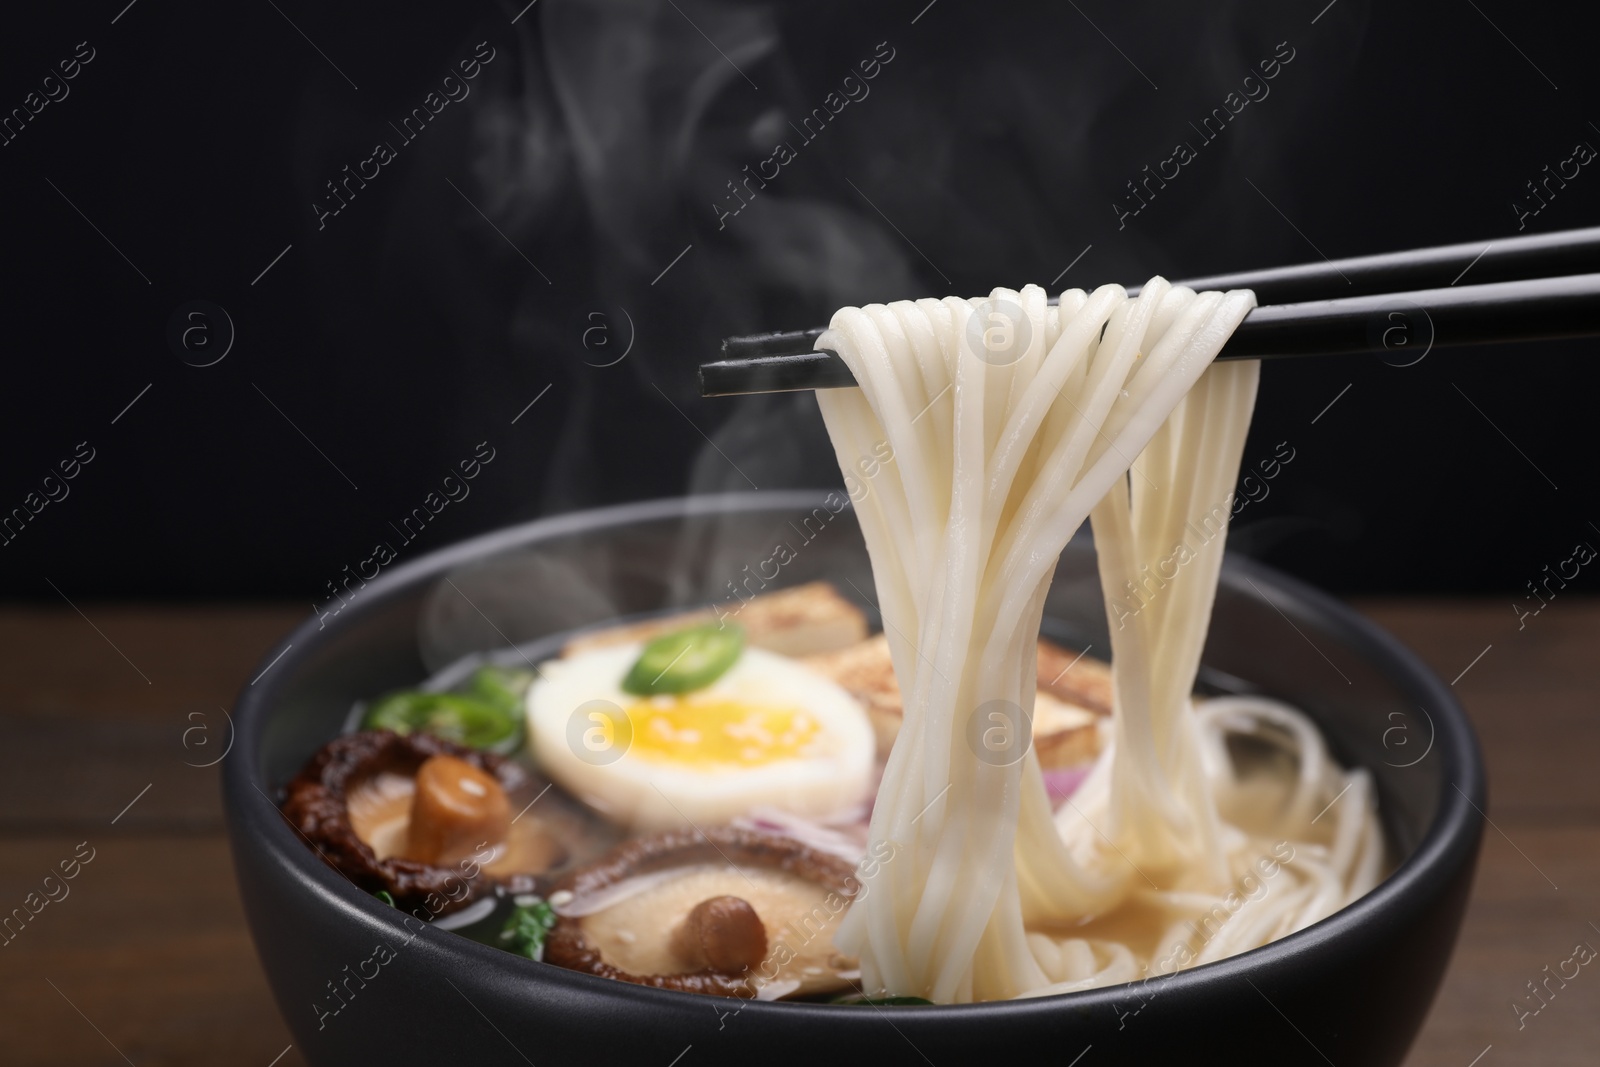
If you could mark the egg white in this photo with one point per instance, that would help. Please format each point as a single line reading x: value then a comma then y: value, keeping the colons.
x: 642, y: 793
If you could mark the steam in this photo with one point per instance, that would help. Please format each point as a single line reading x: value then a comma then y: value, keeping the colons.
x: 986, y: 153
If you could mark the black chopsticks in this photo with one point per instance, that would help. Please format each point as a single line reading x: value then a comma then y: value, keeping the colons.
x: 1399, y: 302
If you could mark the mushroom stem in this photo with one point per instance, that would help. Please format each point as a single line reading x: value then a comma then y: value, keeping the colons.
x: 723, y: 933
x: 456, y: 809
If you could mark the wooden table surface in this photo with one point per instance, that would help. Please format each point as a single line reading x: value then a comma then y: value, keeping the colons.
x: 147, y: 956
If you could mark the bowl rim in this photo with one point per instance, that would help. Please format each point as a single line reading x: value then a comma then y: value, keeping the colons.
x: 1450, y: 839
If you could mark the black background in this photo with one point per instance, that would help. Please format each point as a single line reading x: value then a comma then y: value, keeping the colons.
x: 458, y: 286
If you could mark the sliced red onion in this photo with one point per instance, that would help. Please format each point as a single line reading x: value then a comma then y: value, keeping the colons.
x: 837, y: 841
x: 1062, y: 782
x: 570, y: 907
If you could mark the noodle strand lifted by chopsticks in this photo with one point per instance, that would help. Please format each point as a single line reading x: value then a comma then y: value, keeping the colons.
x: 1011, y: 421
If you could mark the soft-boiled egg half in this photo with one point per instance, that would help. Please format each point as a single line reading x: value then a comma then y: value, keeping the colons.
x: 767, y: 732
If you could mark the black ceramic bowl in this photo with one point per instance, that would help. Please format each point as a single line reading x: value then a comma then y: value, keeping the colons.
x: 1351, y: 990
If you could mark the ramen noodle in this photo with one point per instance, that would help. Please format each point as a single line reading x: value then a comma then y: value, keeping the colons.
x: 1206, y: 827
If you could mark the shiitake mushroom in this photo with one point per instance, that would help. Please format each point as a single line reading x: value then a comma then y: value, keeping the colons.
x: 725, y: 911
x: 426, y: 820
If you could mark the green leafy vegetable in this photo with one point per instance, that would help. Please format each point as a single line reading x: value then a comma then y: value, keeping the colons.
x: 526, y: 928
x: 685, y: 660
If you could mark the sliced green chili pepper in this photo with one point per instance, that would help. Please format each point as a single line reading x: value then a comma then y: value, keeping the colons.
x: 462, y: 719
x: 501, y: 686
x: 525, y: 930
x: 891, y: 1002
x: 383, y: 895
x: 685, y: 660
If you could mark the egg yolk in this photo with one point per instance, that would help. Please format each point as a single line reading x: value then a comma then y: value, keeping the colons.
x: 718, y: 732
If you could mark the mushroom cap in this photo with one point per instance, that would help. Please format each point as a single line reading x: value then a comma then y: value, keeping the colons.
x: 673, y: 910
x: 353, y: 801
x: 447, y: 813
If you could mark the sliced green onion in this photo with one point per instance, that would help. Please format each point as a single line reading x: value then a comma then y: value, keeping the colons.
x: 383, y: 895
x: 526, y: 928
x: 685, y: 660
x: 879, y: 1002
